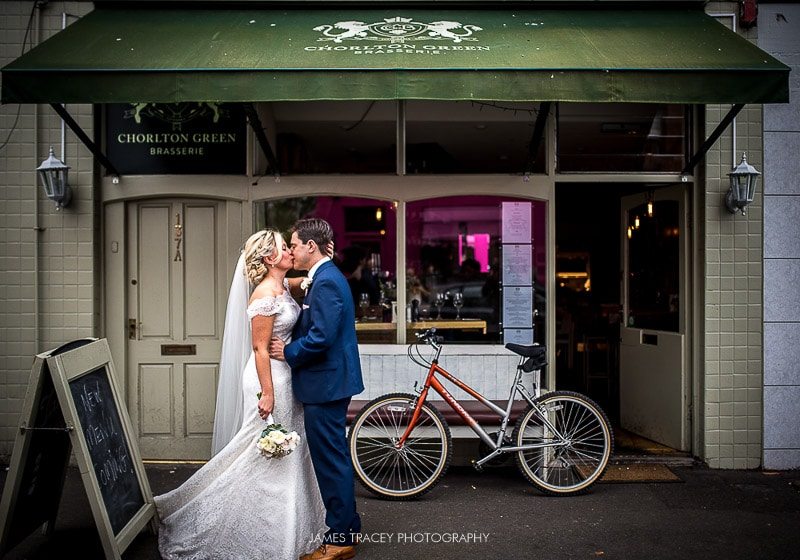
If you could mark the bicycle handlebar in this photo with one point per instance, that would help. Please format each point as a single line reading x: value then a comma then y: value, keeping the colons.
x: 430, y: 336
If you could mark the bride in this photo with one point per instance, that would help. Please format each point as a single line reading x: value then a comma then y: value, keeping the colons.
x: 241, y: 505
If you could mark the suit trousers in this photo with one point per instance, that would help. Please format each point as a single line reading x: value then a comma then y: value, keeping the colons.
x: 327, y: 443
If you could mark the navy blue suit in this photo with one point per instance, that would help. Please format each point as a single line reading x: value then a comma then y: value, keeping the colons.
x: 326, y: 373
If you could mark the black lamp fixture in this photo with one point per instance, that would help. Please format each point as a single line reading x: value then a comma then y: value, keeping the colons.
x: 743, y: 186
x: 54, y: 179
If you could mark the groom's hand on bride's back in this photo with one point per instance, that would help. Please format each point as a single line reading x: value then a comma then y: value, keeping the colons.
x: 276, y: 349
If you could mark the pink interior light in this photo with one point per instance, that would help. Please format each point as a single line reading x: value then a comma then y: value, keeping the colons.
x: 479, y: 243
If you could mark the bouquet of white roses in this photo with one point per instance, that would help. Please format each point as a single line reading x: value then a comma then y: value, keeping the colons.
x: 276, y: 441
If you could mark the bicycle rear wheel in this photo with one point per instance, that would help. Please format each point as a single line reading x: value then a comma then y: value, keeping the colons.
x: 392, y: 472
x: 569, y: 464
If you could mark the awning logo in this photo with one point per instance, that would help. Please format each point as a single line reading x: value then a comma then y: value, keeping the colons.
x: 397, y: 30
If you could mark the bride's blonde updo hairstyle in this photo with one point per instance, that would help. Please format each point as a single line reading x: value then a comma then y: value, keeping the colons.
x: 263, y: 248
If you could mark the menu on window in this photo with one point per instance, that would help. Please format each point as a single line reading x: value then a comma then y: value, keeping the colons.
x: 518, y: 336
x: 517, y: 262
x: 516, y: 219
x: 517, y: 265
x: 518, y: 307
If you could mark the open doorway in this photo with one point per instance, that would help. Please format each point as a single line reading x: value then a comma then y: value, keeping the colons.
x: 621, y: 308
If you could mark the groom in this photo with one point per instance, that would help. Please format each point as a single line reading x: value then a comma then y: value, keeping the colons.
x: 326, y: 373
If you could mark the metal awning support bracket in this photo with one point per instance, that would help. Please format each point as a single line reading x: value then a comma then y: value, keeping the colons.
x: 263, y: 141
x: 538, y: 133
x: 83, y: 137
x: 701, y: 152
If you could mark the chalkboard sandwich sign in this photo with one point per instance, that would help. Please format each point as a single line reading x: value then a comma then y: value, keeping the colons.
x: 73, y: 402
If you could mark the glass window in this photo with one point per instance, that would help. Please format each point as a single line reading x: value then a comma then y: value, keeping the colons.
x: 317, y: 137
x: 470, y: 137
x: 365, y: 238
x: 620, y: 137
x: 653, y: 278
x: 463, y: 274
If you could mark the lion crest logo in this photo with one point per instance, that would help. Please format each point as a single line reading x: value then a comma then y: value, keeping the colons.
x: 176, y: 114
x: 397, y: 30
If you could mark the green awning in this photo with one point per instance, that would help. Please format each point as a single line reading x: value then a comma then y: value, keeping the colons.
x: 590, y: 55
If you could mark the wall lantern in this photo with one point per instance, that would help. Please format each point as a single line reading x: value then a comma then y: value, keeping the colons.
x: 743, y: 186
x: 54, y: 179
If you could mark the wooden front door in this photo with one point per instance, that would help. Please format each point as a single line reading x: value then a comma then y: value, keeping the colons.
x: 176, y: 281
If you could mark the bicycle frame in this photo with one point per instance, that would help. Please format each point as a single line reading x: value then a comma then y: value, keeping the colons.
x: 497, y: 447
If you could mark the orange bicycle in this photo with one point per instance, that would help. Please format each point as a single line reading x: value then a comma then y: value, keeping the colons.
x: 401, y: 445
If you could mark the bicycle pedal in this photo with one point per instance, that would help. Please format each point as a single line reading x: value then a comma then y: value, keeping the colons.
x: 476, y: 466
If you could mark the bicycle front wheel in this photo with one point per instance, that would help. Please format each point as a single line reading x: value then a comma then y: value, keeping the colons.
x: 389, y: 471
x: 575, y: 443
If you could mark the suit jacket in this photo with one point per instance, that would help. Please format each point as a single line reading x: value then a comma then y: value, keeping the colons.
x: 323, y: 353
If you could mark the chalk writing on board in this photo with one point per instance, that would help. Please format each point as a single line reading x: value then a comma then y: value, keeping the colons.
x: 92, y: 401
x: 101, y: 427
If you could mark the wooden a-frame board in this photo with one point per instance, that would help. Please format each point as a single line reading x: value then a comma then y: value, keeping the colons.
x: 73, y: 402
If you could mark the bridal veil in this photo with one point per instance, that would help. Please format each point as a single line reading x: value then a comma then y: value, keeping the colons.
x: 236, y: 348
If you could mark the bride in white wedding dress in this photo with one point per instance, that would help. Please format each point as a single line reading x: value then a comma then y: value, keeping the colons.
x: 242, y: 505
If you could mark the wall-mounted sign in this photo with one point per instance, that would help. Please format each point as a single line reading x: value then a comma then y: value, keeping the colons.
x: 176, y: 138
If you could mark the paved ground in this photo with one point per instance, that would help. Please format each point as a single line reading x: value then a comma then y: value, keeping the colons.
x: 711, y: 514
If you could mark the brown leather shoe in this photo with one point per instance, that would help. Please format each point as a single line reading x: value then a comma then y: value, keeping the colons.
x: 331, y: 552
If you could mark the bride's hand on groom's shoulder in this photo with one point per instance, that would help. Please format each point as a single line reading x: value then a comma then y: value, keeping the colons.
x: 276, y: 349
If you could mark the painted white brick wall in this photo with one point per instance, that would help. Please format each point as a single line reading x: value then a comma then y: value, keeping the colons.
x: 67, y: 290
x: 488, y: 370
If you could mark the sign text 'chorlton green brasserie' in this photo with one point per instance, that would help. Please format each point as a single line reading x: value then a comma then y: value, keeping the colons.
x: 186, y: 143
x: 173, y: 138
x: 398, y: 49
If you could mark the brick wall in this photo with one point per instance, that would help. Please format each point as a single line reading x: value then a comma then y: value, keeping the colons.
x: 60, y: 257
x: 733, y: 377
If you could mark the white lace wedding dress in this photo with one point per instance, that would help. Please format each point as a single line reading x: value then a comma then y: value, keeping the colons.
x: 241, y: 505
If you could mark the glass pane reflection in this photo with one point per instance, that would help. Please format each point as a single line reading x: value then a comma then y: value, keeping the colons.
x: 653, y: 274
x: 365, y: 236
x: 454, y: 247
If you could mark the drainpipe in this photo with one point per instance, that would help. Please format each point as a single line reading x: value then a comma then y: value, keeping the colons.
x: 733, y: 17
x: 36, y: 224
x: 63, y: 125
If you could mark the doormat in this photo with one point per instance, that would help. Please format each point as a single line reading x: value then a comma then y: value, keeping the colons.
x: 635, y: 472
x: 639, y: 473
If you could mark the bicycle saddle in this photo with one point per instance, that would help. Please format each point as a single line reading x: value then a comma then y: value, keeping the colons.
x: 537, y: 355
x: 534, y: 351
